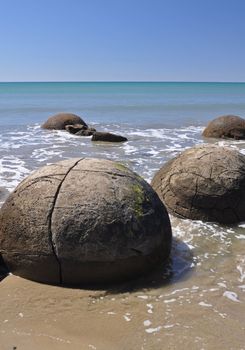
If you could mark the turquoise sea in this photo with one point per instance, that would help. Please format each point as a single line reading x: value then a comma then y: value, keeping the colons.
x: 138, y: 104
x: 160, y: 120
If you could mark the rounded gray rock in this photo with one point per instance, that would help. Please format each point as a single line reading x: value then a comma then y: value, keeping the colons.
x: 205, y: 182
x: 60, y: 120
x: 227, y: 126
x: 83, y: 221
x: 108, y: 137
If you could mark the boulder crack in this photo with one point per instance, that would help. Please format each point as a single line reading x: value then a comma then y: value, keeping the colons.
x: 50, y: 217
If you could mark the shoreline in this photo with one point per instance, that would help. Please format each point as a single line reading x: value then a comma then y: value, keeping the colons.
x: 39, y: 316
x: 201, y: 306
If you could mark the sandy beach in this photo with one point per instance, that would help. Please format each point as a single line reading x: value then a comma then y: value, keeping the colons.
x: 194, y: 310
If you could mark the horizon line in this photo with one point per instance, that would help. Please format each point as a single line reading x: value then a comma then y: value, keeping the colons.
x: 121, y: 81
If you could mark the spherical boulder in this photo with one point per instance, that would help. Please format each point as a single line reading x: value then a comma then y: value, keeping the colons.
x: 83, y: 221
x: 227, y: 126
x: 205, y: 182
x: 60, y: 120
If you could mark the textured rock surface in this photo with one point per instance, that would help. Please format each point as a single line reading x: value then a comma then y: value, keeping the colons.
x: 206, y: 182
x: 73, y: 129
x: 88, y: 132
x: 83, y: 220
x: 108, y: 137
x: 229, y: 126
x: 59, y: 121
x: 80, y: 130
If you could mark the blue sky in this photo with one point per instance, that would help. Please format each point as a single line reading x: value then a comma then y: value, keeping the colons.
x: 122, y: 40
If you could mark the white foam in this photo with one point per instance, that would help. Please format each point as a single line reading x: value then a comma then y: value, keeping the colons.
x: 150, y: 308
x: 147, y: 323
x: 153, y: 330
x: 174, y: 292
x: 153, y: 152
x: 202, y: 303
x: 241, y: 269
x: 44, y: 154
x: 240, y: 236
x: 12, y: 171
x: 169, y: 301
x: 232, y: 296
x: 142, y: 296
x: 127, y: 318
x: 167, y: 326
x: 129, y: 149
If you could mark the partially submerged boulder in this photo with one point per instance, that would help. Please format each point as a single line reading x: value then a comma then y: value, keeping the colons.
x: 108, y: 137
x: 227, y: 126
x: 60, y: 120
x: 83, y: 220
x: 80, y: 130
x: 75, y: 125
x: 206, y: 182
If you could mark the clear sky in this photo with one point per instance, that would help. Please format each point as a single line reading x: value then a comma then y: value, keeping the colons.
x: 122, y: 40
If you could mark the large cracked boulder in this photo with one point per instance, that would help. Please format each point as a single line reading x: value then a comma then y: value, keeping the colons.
x: 206, y: 182
x: 60, y: 120
x: 227, y: 126
x: 83, y: 221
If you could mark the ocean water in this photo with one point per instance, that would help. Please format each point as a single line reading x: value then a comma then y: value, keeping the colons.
x: 205, y: 288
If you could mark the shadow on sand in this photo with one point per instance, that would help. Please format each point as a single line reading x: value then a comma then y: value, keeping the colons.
x: 178, y: 267
x: 3, y: 269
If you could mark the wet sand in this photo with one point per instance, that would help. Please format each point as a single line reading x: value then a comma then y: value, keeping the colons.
x: 197, y: 303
